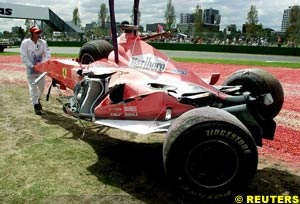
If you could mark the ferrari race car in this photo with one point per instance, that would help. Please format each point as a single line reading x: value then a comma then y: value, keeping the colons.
x: 210, y: 148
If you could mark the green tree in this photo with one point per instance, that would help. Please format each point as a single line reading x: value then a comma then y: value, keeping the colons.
x: 102, y: 15
x: 198, y: 22
x: 252, y: 27
x: 293, y: 30
x: 252, y: 15
x: 170, y: 15
x: 76, y: 19
x: 21, y: 33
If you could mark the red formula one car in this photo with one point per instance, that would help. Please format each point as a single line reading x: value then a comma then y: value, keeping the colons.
x: 210, y: 148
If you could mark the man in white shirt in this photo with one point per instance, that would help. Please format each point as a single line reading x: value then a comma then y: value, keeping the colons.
x: 33, y: 51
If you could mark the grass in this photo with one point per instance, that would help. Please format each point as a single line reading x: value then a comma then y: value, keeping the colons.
x: 240, y: 62
x: 65, y: 55
x: 9, y: 53
x: 198, y: 60
x: 44, y: 160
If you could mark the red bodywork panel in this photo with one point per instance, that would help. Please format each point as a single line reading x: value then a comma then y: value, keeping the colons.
x: 149, y: 107
x: 63, y: 72
x: 140, y: 68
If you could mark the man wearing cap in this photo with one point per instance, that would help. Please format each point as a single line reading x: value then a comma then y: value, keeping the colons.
x: 126, y: 30
x: 33, y: 51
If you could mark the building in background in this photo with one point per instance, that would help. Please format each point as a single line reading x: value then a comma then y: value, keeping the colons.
x: 153, y: 27
x: 286, y: 18
x: 90, y: 26
x: 15, y: 29
x: 186, y: 18
x: 211, y: 16
x: 211, y: 19
x: 230, y: 29
x: 186, y: 28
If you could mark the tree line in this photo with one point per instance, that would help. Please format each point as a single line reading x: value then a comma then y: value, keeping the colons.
x: 251, y: 29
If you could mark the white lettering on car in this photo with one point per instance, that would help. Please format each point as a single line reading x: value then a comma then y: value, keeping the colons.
x: 149, y: 62
x: 230, y: 135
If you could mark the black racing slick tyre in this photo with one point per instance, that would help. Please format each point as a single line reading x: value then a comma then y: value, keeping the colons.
x: 257, y: 82
x: 94, y: 50
x: 209, y: 153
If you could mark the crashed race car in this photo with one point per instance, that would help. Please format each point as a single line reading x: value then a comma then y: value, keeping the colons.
x: 212, y: 131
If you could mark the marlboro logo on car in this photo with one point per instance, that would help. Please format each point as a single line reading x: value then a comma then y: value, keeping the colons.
x: 148, y: 61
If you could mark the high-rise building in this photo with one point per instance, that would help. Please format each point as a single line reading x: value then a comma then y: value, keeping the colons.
x: 90, y: 26
x: 230, y: 29
x: 286, y: 18
x: 211, y: 17
x: 186, y: 18
x: 15, y: 29
x: 186, y: 28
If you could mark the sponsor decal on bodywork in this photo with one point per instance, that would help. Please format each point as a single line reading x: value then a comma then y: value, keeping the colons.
x: 127, y: 111
x: 148, y: 61
x: 64, y: 72
x: 130, y: 108
x: 130, y: 111
x: 178, y: 71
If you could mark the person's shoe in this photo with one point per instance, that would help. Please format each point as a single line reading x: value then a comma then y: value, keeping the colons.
x: 37, y: 109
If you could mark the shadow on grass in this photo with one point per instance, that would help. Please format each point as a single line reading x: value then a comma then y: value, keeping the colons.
x: 137, y: 168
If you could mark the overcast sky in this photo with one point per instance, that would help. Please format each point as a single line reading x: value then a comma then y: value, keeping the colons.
x: 232, y: 11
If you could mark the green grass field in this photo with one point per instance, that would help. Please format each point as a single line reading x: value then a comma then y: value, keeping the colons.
x: 241, y: 62
x: 45, y: 160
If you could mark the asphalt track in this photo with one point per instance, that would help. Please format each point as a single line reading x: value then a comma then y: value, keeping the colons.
x: 189, y: 54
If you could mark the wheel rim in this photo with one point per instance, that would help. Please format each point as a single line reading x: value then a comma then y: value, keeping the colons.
x: 212, y: 164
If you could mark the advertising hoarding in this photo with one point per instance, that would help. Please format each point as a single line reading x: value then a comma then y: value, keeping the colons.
x: 8, y: 10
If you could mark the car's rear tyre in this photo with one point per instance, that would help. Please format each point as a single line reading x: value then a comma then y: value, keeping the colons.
x: 257, y: 82
x: 94, y: 50
x: 209, y: 153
